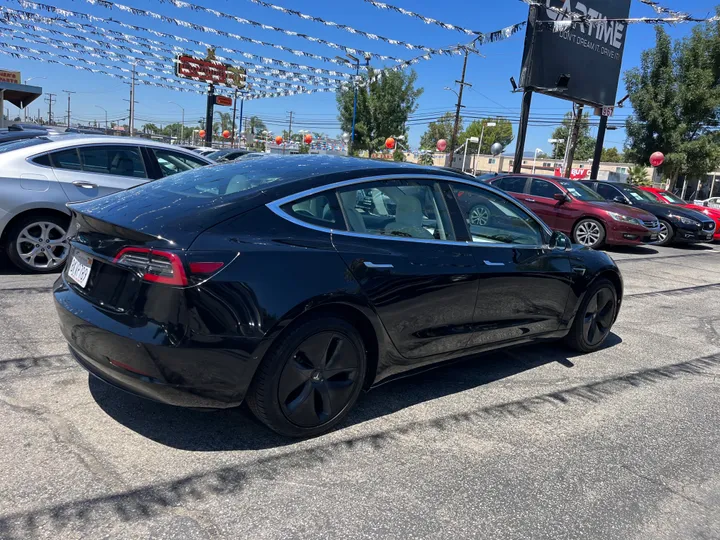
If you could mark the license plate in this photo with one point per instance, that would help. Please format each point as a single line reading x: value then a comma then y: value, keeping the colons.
x: 653, y: 237
x: 79, y: 270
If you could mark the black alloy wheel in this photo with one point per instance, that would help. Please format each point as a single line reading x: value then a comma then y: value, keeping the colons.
x: 311, y: 379
x: 594, y: 318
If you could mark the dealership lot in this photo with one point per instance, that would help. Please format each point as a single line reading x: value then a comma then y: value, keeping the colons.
x: 533, y: 442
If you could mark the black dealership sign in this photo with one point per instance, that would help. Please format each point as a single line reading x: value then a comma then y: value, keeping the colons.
x: 576, y: 61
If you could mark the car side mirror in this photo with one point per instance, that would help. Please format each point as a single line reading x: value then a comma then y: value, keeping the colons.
x: 562, y: 197
x: 619, y: 199
x: 560, y: 241
x: 705, y: 203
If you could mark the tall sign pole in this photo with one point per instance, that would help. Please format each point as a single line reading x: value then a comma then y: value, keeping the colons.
x: 209, y: 112
x: 522, y: 131
x: 600, y: 142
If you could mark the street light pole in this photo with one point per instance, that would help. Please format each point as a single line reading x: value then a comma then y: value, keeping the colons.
x: 535, y: 158
x: 482, y: 136
x: 68, y: 92
x: 182, y: 128
x: 104, y: 109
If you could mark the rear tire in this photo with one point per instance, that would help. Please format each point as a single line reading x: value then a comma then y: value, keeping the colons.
x: 589, y: 232
x: 310, y: 379
x: 38, y: 243
x: 666, y: 235
x: 594, y: 317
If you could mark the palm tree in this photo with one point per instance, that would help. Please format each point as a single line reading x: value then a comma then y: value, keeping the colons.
x: 637, y: 175
x: 256, y: 125
x: 150, y: 128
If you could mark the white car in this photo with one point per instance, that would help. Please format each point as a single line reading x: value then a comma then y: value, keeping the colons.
x: 712, y: 202
x: 39, y: 176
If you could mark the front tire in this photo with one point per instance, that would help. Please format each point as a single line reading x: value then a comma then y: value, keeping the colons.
x: 666, y: 234
x: 589, y: 232
x: 594, y: 317
x: 310, y: 379
x: 38, y: 243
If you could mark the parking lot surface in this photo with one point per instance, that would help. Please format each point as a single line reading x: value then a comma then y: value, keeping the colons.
x: 535, y: 442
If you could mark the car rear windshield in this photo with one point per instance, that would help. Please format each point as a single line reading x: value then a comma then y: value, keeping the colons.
x: 580, y: 191
x: 225, y: 180
x: 22, y: 143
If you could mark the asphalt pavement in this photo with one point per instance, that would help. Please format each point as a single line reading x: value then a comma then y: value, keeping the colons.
x: 535, y: 442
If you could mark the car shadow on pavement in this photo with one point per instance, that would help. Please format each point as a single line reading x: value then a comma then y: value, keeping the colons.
x: 237, y: 429
x: 631, y: 250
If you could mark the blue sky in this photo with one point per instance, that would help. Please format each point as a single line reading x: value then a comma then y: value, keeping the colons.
x: 490, y: 94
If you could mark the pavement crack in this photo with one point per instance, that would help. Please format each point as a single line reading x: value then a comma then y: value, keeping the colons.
x: 663, y: 485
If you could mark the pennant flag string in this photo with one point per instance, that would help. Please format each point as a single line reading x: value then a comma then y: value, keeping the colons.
x: 368, y: 35
x: 426, y: 20
x: 665, y: 11
x: 253, y: 70
x: 15, y: 16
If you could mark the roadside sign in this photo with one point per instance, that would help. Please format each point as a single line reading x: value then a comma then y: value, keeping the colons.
x: 210, y: 71
x: 604, y: 111
x: 10, y: 76
x: 223, y: 101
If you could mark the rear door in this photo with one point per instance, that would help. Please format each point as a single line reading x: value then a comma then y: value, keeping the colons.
x: 91, y: 171
x: 403, y: 251
x: 523, y: 285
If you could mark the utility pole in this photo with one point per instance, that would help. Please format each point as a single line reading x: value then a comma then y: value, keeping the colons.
x: 462, y: 83
x: 232, y: 136
x: 572, y: 140
x: 289, y: 131
x: 132, y: 102
x: 68, y: 92
x: 50, y: 99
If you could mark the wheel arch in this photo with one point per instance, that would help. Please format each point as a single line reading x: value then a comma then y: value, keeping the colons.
x: 29, y: 213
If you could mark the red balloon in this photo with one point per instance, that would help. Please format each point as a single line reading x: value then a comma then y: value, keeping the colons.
x: 442, y: 145
x: 278, y: 140
x: 226, y: 134
x: 202, y: 133
x: 657, y: 159
x: 389, y: 143
x: 308, y: 138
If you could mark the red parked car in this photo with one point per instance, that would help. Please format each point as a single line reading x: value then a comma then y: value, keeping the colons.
x: 666, y: 197
x: 568, y: 206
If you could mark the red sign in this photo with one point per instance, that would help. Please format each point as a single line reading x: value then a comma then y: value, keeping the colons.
x: 575, y: 174
x: 223, y: 100
x: 197, y: 69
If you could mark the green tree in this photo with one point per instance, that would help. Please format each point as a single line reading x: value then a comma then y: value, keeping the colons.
x: 501, y: 132
x: 383, y: 107
x: 442, y: 128
x: 675, y: 93
x: 398, y: 155
x: 585, y: 144
x: 611, y: 155
x: 150, y: 128
x: 637, y: 175
x: 426, y: 159
x: 256, y: 125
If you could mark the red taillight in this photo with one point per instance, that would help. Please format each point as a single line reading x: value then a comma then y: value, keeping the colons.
x: 156, y: 266
x: 205, y: 267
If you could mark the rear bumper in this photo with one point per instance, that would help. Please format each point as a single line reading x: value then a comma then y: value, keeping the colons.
x: 186, y: 374
x: 619, y: 233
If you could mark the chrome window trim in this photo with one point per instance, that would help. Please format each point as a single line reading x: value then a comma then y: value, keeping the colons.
x: 275, y: 207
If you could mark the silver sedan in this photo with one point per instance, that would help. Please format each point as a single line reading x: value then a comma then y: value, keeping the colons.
x: 39, y: 176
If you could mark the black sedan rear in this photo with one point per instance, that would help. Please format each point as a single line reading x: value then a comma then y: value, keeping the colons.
x: 294, y: 284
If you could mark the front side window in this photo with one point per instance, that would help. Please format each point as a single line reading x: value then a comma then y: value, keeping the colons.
x: 543, y: 188
x: 115, y: 160
x: 398, y: 209
x: 492, y: 219
x: 175, y: 162
x: 512, y: 184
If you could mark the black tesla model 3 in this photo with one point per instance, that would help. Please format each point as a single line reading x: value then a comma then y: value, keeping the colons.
x: 296, y: 283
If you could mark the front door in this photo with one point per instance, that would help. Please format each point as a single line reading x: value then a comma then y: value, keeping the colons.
x: 91, y: 171
x: 404, y: 253
x: 540, y: 198
x: 523, y: 285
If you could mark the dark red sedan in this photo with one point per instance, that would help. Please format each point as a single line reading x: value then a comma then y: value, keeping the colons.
x: 568, y: 206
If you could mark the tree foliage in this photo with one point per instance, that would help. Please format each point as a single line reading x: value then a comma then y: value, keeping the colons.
x: 426, y: 159
x: 611, y: 155
x: 442, y: 128
x: 585, y: 144
x: 675, y: 93
x: 501, y: 133
x: 637, y: 175
x: 383, y: 107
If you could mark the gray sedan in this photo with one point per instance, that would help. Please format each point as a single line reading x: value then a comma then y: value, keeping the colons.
x: 39, y: 176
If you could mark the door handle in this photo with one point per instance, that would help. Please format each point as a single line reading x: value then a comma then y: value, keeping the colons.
x: 377, y: 266
x: 490, y: 263
x: 86, y: 185
x: 530, y: 200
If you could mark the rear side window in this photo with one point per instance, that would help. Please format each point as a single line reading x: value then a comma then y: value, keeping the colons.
x: 43, y: 160
x: 513, y: 184
x: 321, y: 210
x: 114, y: 160
x: 66, y: 159
x: 175, y: 162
